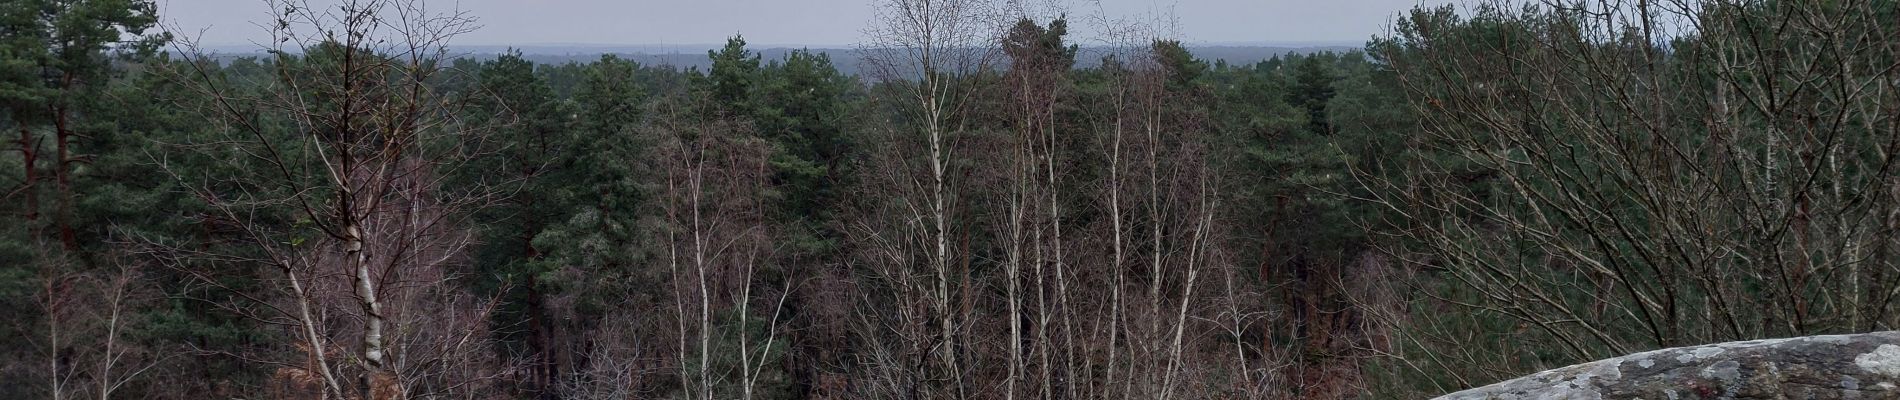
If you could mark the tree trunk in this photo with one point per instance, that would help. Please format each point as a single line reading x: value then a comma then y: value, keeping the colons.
x: 62, y: 136
x: 377, y: 381
x: 28, y: 156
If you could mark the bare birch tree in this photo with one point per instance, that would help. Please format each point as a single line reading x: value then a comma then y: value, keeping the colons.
x: 717, y: 176
x: 926, y: 54
x: 336, y: 168
x: 86, y: 333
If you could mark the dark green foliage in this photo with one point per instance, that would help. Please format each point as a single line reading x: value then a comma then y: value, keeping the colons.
x: 732, y: 81
x: 804, y: 106
x: 1183, y: 69
x: 1044, y: 47
x: 606, y: 195
x: 57, y: 62
x: 1311, y: 88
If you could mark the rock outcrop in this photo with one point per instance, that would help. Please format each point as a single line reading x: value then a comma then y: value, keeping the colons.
x: 1862, y: 366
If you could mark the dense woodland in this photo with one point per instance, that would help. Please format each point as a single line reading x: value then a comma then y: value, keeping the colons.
x: 1487, y: 190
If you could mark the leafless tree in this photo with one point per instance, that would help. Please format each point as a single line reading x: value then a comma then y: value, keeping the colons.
x: 717, y: 174
x: 84, y: 338
x: 927, y: 53
x: 1602, y: 177
x: 341, y: 159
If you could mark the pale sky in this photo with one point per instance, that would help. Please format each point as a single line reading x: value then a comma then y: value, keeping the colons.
x: 809, y: 22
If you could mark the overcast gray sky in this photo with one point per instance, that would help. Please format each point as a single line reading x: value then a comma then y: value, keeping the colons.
x: 808, y: 22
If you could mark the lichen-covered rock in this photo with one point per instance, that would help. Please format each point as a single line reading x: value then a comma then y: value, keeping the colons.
x: 1863, y: 366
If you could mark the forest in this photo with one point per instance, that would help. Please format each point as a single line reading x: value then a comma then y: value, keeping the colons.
x: 993, y: 208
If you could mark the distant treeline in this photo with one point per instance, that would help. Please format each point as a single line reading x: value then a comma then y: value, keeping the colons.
x: 844, y: 59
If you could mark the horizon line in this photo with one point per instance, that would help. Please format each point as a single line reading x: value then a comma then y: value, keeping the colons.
x: 771, y: 46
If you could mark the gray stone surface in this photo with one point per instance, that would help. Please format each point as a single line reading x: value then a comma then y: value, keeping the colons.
x: 1861, y: 366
